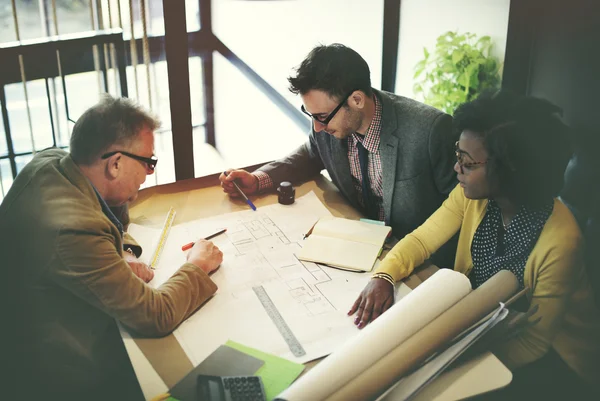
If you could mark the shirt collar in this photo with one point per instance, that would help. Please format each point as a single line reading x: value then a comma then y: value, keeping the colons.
x: 107, y: 212
x: 372, y: 137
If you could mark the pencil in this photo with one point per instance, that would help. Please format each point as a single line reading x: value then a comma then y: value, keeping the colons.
x: 191, y: 244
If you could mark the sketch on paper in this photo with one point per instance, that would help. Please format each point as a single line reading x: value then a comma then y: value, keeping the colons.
x: 259, y: 250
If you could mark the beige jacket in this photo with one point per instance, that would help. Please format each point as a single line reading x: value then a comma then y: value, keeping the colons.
x: 65, y: 284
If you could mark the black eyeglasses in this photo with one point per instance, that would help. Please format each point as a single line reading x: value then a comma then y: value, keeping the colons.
x: 326, y: 120
x: 150, y: 161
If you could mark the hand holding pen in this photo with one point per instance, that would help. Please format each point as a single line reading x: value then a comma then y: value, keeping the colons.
x: 247, y: 182
x: 239, y: 183
x: 191, y: 244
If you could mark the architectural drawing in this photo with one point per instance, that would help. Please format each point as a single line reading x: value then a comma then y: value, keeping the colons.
x: 259, y: 250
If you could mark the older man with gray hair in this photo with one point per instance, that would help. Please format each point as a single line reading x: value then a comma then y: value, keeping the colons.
x: 70, y: 271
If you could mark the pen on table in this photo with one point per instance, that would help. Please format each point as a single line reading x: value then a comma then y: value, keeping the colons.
x: 248, y: 201
x: 305, y: 236
x: 191, y: 244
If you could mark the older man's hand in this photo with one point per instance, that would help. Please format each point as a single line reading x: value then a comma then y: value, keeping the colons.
x: 205, y: 255
x: 139, y: 268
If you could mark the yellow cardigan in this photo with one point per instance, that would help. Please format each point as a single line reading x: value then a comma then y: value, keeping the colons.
x: 554, y: 271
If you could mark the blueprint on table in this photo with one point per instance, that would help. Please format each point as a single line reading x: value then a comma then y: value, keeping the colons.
x: 259, y: 251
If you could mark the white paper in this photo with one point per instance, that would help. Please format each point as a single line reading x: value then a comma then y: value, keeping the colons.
x: 413, y: 312
x: 408, y: 387
x: 259, y: 250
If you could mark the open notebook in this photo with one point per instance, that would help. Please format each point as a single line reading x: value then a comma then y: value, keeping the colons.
x: 344, y: 243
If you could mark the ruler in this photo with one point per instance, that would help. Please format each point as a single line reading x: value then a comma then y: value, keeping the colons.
x: 281, y: 325
x: 164, y: 233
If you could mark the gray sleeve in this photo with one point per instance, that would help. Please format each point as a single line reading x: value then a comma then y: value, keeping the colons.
x: 302, y: 164
x: 441, y: 154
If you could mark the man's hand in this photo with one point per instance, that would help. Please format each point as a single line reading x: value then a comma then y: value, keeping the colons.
x: 140, y: 269
x: 205, y: 255
x: 375, y: 298
x: 247, y: 182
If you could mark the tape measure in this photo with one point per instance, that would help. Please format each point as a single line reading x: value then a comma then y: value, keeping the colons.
x: 164, y: 233
x: 281, y: 325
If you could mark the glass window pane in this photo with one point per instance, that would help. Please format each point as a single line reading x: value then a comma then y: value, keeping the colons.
x: 165, y: 169
x: 72, y: 16
x: 154, y: 15
x: 241, y: 26
x: 61, y: 124
x: 18, y: 118
x: 22, y: 161
x: 207, y: 160
x: 192, y: 15
x: 163, y: 140
x: 196, y: 91
x: 28, y: 15
x: 111, y: 7
x: 82, y: 92
x: 244, y: 137
x: 6, y: 178
x: 161, y: 104
x: 3, y: 145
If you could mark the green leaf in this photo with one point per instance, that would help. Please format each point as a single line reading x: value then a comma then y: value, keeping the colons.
x: 448, y: 67
x: 457, y: 56
x: 484, y: 40
x: 463, y: 80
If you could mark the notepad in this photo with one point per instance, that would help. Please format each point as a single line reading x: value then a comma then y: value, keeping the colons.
x: 277, y: 373
x: 344, y: 243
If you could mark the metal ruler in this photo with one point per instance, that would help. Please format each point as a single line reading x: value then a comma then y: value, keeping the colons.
x: 281, y: 325
x: 164, y: 233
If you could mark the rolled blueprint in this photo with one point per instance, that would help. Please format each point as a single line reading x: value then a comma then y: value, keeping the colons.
x: 376, y: 378
x: 409, y: 315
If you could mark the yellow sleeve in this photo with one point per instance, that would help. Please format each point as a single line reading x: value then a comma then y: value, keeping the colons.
x: 418, y: 246
x: 557, y: 277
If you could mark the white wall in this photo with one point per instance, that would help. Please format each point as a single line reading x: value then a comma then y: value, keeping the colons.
x: 422, y: 21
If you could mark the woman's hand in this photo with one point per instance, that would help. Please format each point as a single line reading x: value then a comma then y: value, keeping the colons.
x: 375, y: 298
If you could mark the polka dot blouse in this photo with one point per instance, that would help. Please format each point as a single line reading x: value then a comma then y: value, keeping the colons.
x: 496, y: 248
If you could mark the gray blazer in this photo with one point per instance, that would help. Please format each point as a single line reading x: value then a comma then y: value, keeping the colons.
x: 417, y: 157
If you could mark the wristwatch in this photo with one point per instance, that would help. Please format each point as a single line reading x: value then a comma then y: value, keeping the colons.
x: 128, y: 249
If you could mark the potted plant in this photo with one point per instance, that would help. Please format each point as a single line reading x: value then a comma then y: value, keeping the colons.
x: 460, y: 68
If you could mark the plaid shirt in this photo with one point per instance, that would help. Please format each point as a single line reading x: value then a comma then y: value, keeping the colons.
x: 371, y: 143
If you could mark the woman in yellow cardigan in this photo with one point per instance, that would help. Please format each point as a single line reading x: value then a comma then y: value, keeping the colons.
x: 511, y: 157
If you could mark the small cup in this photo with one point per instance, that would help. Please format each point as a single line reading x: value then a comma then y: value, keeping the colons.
x: 286, y: 193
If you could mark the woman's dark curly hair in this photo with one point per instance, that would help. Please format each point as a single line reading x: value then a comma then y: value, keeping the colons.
x: 526, y: 141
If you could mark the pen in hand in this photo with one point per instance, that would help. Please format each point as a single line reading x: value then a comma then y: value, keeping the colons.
x: 242, y: 194
x: 191, y: 244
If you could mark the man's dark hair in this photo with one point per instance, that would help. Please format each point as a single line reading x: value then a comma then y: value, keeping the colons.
x: 527, y: 143
x: 335, y: 69
x: 112, y: 121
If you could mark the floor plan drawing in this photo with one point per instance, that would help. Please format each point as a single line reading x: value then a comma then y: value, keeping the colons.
x: 259, y: 250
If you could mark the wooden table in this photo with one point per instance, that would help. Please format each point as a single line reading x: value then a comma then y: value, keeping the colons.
x: 203, y: 197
